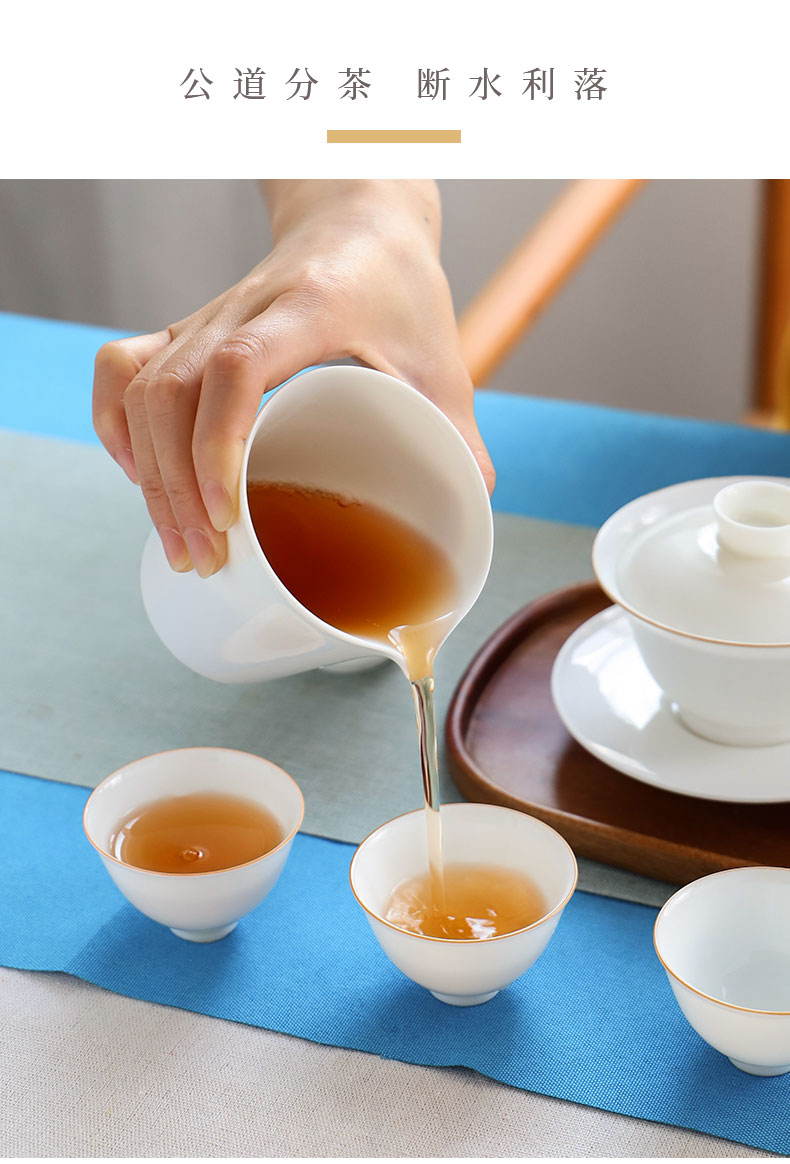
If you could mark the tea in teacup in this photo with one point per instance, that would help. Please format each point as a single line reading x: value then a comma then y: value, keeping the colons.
x: 197, y: 833
x: 480, y: 901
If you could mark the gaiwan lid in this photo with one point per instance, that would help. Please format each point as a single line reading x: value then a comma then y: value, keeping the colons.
x: 708, y: 558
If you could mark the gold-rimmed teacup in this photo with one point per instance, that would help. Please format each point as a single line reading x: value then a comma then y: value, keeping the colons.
x: 197, y: 906
x: 724, y: 942
x: 457, y: 971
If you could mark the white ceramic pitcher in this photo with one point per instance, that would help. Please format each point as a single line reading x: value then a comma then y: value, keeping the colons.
x: 353, y: 431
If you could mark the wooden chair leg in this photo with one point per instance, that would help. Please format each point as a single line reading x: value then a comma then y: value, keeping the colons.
x: 492, y: 324
x: 772, y: 347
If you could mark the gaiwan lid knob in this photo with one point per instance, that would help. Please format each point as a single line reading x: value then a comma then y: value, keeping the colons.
x: 719, y: 571
x: 753, y: 518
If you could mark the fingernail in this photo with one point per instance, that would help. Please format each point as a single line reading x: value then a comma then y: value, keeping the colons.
x: 125, y: 458
x: 220, y: 508
x: 176, y: 549
x: 201, y: 551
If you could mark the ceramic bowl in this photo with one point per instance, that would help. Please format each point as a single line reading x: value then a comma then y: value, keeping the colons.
x: 724, y: 942
x: 464, y: 973
x: 702, y: 570
x: 200, y: 907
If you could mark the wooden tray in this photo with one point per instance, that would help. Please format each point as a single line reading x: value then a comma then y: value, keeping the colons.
x: 507, y: 745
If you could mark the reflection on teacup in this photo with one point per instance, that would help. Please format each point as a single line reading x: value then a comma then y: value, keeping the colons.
x: 139, y: 818
x: 724, y: 942
x: 461, y: 971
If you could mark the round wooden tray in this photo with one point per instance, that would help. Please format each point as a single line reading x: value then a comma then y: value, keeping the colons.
x: 507, y: 745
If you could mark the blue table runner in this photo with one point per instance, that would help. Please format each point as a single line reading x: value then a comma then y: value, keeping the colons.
x: 594, y: 1021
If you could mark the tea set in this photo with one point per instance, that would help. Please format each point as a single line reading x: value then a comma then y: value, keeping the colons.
x: 684, y: 683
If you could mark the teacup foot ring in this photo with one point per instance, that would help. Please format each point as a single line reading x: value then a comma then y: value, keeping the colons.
x: 204, y: 935
x: 728, y: 735
x: 464, y: 999
x: 756, y: 1069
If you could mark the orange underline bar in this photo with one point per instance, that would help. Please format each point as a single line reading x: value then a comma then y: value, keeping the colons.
x: 392, y: 136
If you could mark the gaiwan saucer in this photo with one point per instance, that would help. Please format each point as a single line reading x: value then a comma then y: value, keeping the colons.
x: 612, y: 706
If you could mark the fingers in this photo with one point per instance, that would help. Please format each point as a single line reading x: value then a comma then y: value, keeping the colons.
x: 187, y: 413
x: 256, y: 358
x: 117, y: 363
x: 160, y: 409
x: 161, y: 405
x: 144, y: 404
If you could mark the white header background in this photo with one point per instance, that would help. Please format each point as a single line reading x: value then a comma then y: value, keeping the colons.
x: 694, y: 88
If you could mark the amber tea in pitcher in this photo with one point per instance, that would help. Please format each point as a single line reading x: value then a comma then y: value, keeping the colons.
x: 355, y: 566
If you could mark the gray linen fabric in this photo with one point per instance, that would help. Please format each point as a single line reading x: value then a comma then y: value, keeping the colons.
x: 89, y: 1074
x: 87, y: 686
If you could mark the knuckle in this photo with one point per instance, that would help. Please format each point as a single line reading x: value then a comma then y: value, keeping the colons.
x: 173, y: 499
x: 183, y: 498
x: 114, y: 359
x: 316, y: 287
x: 162, y: 392
x: 177, y: 329
x: 257, y: 287
x: 236, y: 355
x: 155, y: 494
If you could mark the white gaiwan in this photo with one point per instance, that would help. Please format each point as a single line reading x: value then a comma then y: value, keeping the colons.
x: 703, y: 571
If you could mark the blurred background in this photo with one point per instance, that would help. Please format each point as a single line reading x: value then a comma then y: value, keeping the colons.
x: 659, y: 317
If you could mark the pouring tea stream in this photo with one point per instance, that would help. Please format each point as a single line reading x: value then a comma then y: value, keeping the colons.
x: 387, y: 471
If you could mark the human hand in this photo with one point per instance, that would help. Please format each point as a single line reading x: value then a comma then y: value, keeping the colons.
x: 354, y: 272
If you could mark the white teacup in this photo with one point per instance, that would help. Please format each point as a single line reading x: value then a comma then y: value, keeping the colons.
x: 464, y: 973
x: 200, y: 907
x: 349, y: 430
x: 724, y: 942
